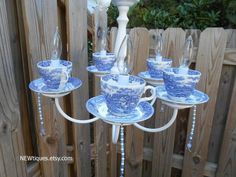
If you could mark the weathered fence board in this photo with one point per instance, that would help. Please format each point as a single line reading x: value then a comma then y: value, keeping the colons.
x: 223, y: 102
x: 21, y: 79
x: 209, y: 61
x: 11, y: 138
x: 227, y: 160
x: 40, y: 21
x: 163, y: 147
x: 76, y: 15
x: 101, y: 128
x: 113, y: 147
x: 134, y: 137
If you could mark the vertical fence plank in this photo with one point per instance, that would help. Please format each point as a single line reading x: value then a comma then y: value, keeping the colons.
x: 209, y: 61
x: 113, y: 147
x: 100, y: 133
x: 227, y: 160
x: 11, y: 139
x: 40, y: 21
x: 182, y: 120
x: 174, y: 39
x: 163, y: 147
x: 222, y: 104
x: 76, y: 13
x: 15, y: 18
x: 134, y: 137
x: 149, y: 137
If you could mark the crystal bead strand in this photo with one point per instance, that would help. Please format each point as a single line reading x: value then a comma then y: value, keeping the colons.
x: 162, y: 108
x: 189, y: 144
x: 41, y: 119
x: 122, y: 146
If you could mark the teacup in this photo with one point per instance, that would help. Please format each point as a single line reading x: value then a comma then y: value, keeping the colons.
x: 104, y: 62
x: 155, y: 68
x: 179, y: 85
x: 55, y: 73
x: 122, y: 99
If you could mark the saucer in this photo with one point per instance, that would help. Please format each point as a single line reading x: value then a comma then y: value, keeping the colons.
x: 153, y: 81
x: 38, y: 86
x: 197, y: 97
x: 94, y: 70
x: 97, y: 106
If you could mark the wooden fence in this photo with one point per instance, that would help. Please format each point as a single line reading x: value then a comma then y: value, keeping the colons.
x: 26, y: 32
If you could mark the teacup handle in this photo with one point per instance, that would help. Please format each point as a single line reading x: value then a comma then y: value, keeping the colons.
x: 67, y: 76
x: 153, y: 92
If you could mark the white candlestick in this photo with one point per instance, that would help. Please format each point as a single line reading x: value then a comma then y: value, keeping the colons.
x: 123, y: 7
x: 183, y: 70
x: 123, y: 79
x: 159, y: 58
x: 103, y: 53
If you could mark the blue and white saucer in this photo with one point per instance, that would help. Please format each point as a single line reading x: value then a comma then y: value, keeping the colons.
x: 38, y: 86
x: 94, y: 70
x: 97, y: 106
x: 153, y: 81
x: 197, y: 97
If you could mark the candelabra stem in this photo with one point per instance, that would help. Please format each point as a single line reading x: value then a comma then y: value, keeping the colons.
x: 122, y: 24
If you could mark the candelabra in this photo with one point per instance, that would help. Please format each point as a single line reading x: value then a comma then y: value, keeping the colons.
x: 121, y: 103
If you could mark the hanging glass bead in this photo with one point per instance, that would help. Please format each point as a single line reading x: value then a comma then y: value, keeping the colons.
x: 190, y: 138
x: 41, y: 119
x: 122, y: 146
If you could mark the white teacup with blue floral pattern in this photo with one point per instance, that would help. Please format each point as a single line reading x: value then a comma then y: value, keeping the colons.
x: 122, y: 99
x: 104, y: 62
x: 55, y: 73
x: 155, y: 68
x: 180, y: 85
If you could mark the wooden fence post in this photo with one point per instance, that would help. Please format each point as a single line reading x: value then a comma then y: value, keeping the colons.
x: 100, y: 133
x: 134, y: 137
x: 76, y: 16
x: 11, y: 139
x: 227, y: 159
x: 40, y: 21
x: 113, y: 147
x: 163, y: 147
x: 209, y: 61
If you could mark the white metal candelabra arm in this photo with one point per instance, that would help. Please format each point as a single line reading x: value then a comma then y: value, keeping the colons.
x: 73, y: 119
x: 154, y: 130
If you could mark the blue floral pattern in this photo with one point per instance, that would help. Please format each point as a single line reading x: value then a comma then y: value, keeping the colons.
x: 104, y: 63
x: 56, y: 76
x: 178, y: 85
x: 197, y: 97
x: 155, y: 68
x: 98, y: 107
x: 39, y: 86
x: 122, y: 99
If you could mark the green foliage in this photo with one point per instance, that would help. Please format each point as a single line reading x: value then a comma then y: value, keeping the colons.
x: 230, y: 12
x: 197, y: 14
